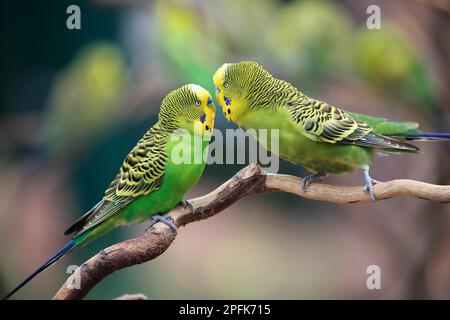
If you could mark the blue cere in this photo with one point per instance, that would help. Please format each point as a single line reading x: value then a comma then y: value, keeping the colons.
x: 227, y: 100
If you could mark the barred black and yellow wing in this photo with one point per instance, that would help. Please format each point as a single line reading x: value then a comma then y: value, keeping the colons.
x: 325, y: 123
x: 141, y: 173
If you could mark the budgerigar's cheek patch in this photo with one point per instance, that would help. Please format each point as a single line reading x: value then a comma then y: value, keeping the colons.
x: 203, y: 118
x: 227, y: 100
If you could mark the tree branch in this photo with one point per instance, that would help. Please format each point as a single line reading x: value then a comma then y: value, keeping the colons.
x: 250, y: 180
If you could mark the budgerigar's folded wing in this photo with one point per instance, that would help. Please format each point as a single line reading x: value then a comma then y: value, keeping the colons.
x: 141, y: 173
x: 326, y: 123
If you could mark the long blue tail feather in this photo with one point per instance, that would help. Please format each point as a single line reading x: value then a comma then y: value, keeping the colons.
x: 428, y: 136
x: 68, y: 247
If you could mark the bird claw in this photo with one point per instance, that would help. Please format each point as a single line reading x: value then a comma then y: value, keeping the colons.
x: 308, y: 179
x: 304, y: 184
x: 165, y: 220
x: 368, y: 184
x: 188, y: 204
x: 369, y: 189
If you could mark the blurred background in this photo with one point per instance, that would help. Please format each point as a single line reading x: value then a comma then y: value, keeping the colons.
x: 74, y: 102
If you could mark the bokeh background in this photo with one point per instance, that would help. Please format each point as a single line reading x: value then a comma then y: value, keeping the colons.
x: 73, y: 102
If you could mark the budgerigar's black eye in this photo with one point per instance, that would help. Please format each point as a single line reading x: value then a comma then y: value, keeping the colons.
x: 226, y: 84
x: 203, y: 118
x: 197, y: 103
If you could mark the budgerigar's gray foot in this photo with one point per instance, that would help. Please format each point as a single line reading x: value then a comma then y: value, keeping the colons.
x: 188, y: 204
x: 310, y: 178
x: 369, y: 183
x: 158, y: 218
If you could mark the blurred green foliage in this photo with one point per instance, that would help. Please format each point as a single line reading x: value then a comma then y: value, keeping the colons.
x: 309, y: 41
x: 387, y: 60
x: 190, y: 46
x: 85, y: 98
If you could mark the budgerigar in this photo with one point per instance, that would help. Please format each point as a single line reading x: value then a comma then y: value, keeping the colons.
x: 320, y: 137
x: 155, y: 176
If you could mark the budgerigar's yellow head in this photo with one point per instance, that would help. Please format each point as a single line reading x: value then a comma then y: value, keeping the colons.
x: 189, y: 107
x: 234, y: 84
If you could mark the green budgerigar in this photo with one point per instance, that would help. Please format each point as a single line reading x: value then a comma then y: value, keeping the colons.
x: 155, y: 175
x: 320, y: 137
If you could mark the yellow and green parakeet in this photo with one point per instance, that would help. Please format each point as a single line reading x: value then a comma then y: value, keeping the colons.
x: 320, y: 137
x: 153, y: 178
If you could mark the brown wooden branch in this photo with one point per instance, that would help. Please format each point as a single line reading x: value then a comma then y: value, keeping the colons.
x: 252, y: 179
